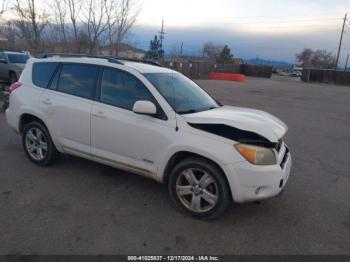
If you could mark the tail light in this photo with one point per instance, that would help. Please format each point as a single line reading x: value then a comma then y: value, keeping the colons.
x: 14, y: 86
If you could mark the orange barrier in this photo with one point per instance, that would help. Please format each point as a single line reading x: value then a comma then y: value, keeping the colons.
x: 227, y: 76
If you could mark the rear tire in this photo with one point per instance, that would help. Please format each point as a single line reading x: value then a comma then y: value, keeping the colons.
x: 38, y: 145
x: 198, y: 188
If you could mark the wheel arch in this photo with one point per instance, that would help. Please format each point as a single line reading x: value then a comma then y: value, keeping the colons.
x: 184, y: 154
x: 26, y: 118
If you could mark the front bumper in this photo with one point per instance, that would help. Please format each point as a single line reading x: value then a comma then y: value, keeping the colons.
x: 250, y: 182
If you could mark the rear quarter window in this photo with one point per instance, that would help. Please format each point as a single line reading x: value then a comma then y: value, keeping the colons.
x: 42, y: 73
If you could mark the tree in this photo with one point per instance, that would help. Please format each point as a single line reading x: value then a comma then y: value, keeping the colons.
x: 3, y: 7
x: 30, y: 22
x: 126, y: 15
x: 212, y: 50
x: 323, y: 59
x: 74, y: 10
x: 305, y: 57
x: 60, y: 14
x: 225, y: 56
x: 95, y: 23
x: 155, y: 49
x: 121, y: 16
x: 319, y: 58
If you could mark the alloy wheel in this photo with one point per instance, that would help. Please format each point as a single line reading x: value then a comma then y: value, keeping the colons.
x: 36, y: 144
x: 197, y: 190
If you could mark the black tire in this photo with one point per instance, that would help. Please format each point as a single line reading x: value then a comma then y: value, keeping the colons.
x: 12, y: 78
x: 221, y: 188
x: 51, y: 153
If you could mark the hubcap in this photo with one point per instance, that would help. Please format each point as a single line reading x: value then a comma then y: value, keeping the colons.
x: 197, y: 190
x: 36, y: 144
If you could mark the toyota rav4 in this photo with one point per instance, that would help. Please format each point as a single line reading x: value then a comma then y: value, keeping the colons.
x: 151, y: 121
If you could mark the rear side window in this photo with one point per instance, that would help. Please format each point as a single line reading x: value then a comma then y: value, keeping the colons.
x: 122, y: 90
x: 42, y: 73
x: 78, y: 79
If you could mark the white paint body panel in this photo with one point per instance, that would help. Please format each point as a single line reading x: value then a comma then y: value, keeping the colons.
x: 246, y: 119
x: 119, y: 137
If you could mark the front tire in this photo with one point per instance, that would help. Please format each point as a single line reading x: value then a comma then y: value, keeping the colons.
x: 38, y: 145
x: 198, y: 188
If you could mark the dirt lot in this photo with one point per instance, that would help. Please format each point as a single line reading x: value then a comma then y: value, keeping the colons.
x: 80, y: 207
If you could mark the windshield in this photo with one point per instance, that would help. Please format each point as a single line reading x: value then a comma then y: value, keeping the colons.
x: 183, y: 95
x: 17, y: 59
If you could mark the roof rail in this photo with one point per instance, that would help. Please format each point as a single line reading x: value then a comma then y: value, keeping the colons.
x: 150, y: 62
x: 108, y: 58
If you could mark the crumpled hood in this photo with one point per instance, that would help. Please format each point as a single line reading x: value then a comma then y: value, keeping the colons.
x: 246, y: 119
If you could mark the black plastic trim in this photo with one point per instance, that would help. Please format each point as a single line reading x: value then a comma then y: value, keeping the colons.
x: 235, y: 134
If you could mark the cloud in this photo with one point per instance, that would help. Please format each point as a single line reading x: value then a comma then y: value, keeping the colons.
x: 271, y: 29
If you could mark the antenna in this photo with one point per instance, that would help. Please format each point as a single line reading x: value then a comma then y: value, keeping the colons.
x: 161, y: 34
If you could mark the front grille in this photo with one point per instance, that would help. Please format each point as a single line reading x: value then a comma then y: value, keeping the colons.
x: 285, y: 157
x: 278, y: 145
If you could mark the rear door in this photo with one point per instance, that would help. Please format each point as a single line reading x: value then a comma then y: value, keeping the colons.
x: 67, y: 103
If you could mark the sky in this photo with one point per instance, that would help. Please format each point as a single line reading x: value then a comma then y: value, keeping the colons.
x: 269, y: 29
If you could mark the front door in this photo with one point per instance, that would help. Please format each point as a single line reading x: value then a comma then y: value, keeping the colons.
x: 120, y: 135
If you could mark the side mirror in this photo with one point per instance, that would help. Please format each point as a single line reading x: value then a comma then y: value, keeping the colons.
x: 3, y: 61
x: 143, y: 107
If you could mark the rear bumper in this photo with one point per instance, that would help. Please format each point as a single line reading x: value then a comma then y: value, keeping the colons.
x: 12, y: 120
x: 250, y: 182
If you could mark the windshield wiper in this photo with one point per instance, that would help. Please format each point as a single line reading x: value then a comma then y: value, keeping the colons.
x: 191, y: 111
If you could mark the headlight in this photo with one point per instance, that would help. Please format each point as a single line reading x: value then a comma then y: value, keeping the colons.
x: 257, y: 155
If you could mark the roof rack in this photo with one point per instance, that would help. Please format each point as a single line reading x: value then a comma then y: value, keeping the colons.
x: 150, y: 62
x: 111, y: 59
x: 108, y: 58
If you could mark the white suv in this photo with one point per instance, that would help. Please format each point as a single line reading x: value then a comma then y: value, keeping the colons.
x: 151, y: 121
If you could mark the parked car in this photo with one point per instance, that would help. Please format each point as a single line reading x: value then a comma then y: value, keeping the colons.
x: 283, y: 74
x: 154, y: 122
x: 296, y: 74
x: 12, y: 65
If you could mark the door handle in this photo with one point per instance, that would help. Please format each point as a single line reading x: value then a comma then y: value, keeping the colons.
x: 99, y: 114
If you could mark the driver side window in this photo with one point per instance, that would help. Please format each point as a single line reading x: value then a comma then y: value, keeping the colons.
x: 121, y: 89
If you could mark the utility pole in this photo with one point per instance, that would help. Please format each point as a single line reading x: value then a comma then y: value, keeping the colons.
x: 346, y: 63
x: 162, y: 33
x: 340, y: 42
x: 181, y: 48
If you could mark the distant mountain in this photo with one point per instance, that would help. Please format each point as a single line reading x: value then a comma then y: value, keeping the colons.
x: 259, y: 61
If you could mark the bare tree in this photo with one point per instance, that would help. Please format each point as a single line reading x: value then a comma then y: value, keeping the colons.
x: 127, y: 14
x: 305, y: 57
x: 111, y: 22
x: 95, y: 22
x: 212, y: 50
x: 318, y: 59
x: 123, y: 15
x: 30, y: 22
x: 74, y: 8
x: 323, y: 59
x: 60, y: 16
x: 3, y: 7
